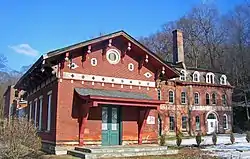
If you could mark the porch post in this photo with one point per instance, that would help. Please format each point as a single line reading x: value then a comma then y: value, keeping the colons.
x: 84, y: 111
x: 143, y: 114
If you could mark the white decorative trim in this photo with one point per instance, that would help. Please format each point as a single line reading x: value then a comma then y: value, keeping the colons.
x: 93, y: 61
x: 50, y: 92
x: 131, y: 67
x: 197, y: 108
x: 105, y: 79
x: 117, y: 54
x: 147, y: 74
x: 72, y: 65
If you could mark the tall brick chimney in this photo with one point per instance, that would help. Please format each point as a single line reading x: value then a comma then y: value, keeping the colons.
x: 178, y: 51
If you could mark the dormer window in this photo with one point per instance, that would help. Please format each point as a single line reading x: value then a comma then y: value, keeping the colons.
x: 223, y: 80
x: 196, y: 76
x: 210, y: 78
x: 183, y: 75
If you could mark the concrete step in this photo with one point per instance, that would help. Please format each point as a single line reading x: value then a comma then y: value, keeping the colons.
x: 121, y: 149
x: 85, y: 155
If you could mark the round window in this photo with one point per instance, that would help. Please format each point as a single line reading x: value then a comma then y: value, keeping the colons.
x: 113, y: 56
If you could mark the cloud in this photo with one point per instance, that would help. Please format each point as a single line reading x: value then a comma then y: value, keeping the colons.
x: 25, y: 49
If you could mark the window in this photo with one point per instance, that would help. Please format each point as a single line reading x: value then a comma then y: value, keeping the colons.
x: 40, y: 112
x: 159, y: 94
x: 171, y: 123
x: 35, y: 115
x: 184, y: 122
x: 225, y: 121
x: 223, y: 80
x: 183, y: 75
x: 130, y: 67
x: 196, y: 76
x: 197, y: 123
x: 207, y: 99
x: 224, y: 99
x: 49, y: 111
x: 183, y: 97
x: 171, y: 97
x: 196, y: 98
x: 30, y: 110
x: 113, y: 56
x: 93, y: 61
x: 210, y: 78
x: 213, y: 98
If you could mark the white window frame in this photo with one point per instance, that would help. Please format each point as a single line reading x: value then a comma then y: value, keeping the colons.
x: 40, y: 113
x: 49, y: 96
x: 169, y: 96
x: 222, y: 99
x: 209, y: 99
x: 35, y: 114
x: 198, y: 76
x: 30, y: 110
x: 183, y: 75
x: 197, y: 128
x: 225, y: 80
x: 93, y: 61
x: 117, y: 53
x: 225, y: 115
x: 208, y: 78
x: 198, y: 98
x: 131, y: 67
x: 185, y: 98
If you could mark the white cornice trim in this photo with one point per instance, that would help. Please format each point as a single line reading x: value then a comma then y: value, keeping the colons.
x: 105, y: 79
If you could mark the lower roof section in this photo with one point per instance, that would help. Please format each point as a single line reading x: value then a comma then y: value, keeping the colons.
x: 115, y: 97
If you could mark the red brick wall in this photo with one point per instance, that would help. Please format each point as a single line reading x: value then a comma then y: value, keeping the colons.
x: 51, y: 135
x: 65, y: 112
x: 179, y: 110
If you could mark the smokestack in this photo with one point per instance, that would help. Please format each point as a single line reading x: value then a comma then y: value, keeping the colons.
x: 178, y: 51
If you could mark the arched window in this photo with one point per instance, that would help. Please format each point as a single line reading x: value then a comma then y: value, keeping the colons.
x: 225, y: 121
x: 223, y: 80
x: 224, y: 99
x: 196, y: 76
x: 210, y: 77
x: 183, y: 75
x: 213, y: 98
x: 171, y: 97
x: 207, y: 99
x: 196, y: 98
x: 197, y: 123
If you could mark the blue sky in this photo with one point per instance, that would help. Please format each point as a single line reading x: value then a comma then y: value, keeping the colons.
x: 30, y: 28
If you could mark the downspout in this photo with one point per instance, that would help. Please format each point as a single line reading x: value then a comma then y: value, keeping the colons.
x: 175, y: 95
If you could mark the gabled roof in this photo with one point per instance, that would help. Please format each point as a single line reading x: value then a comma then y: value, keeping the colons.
x: 58, y: 52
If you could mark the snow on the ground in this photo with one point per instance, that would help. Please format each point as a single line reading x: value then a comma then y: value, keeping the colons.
x: 239, y: 150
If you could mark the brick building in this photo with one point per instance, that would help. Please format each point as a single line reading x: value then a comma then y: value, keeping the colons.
x: 112, y: 90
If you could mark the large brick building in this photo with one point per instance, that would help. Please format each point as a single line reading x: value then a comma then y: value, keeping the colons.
x: 112, y: 90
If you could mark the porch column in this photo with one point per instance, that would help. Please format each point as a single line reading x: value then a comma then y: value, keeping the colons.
x: 84, y: 111
x: 143, y: 114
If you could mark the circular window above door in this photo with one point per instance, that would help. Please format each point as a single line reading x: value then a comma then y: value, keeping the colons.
x: 113, y: 56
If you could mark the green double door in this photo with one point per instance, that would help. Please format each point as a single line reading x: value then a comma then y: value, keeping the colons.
x: 110, y: 125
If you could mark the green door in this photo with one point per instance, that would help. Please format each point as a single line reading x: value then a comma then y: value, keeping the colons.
x: 110, y: 126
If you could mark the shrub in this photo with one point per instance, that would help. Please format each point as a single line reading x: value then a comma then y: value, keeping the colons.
x: 232, y: 138
x: 198, y: 139
x: 19, y: 138
x: 248, y: 136
x: 163, y: 139
x: 178, y: 139
x: 214, y: 138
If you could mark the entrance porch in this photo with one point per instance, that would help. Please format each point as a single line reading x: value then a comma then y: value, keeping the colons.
x: 119, y: 117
